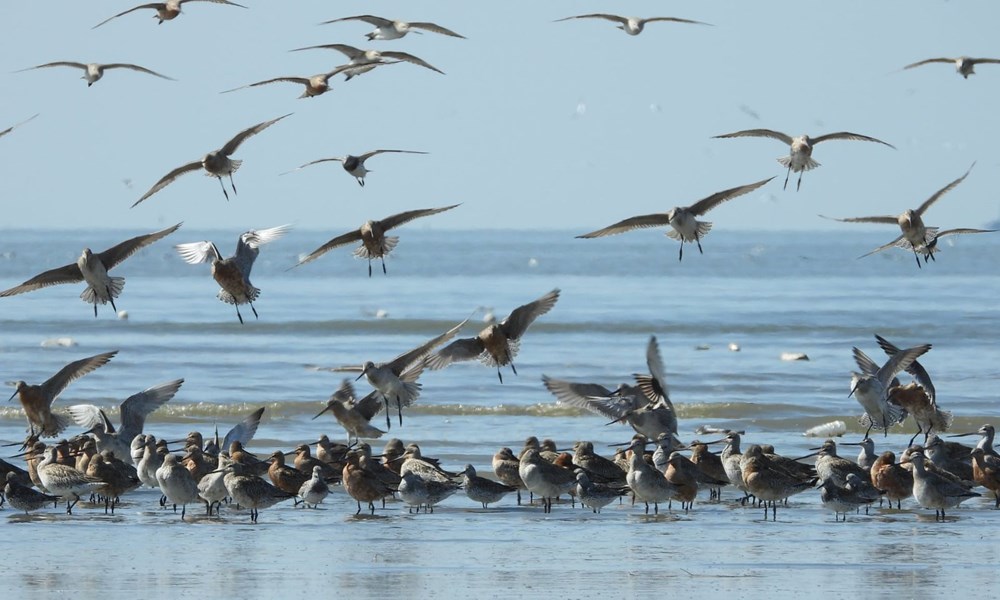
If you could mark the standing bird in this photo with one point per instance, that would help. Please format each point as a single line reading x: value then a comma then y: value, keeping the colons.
x: 93, y: 268
x: 387, y: 29
x: 372, y: 235
x: 354, y: 415
x: 177, y: 483
x: 23, y: 497
x: 964, y: 65
x: 315, y: 490
x: 4, y: 132
x: 496, y: 345
x: 250, y: 491
x: 683, y: 224
x: 506, y: 468
x: 359, y: 57
x: 932, y: 490
x: 165, y: 11
x: 354, y: 165
x: 871, y: 387
x: 37, y: 399
x: 631, y: 25
x: 92, y: 72
x: 316, y: 85
x: 216, y: 163
x: 397, y: 379
x: 483, y: 490
x: 233, y: 273
x: 800, y: 158
x: 65, y: 482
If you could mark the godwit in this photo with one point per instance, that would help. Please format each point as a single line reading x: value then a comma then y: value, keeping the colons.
x: 918, y: 398
x: 834, y: 468
x: 212, y: 486
x: 800, y: 158
x: 986, y: 471
x: 65, y: 482
x: 216, y: 163
x: 93, y: 269
x: 985, y: 442
x: 648, y: 484
x: 176, y: 483
x: 931, y: 490
x: 871, y: 387
x: 943, y: 458
x: 387, y: 29
x: 359, y: 57
x: 417, y: 492
x: 250, y: 491
x: 964, y: 65
x: 892, y: 478
x: 354, y: 415
x: 428, y: 468
x: 316, y: 85
x: 37, y: 399
x: 482, y: 490
x: 233, y: 273
x: 497, y: 345
x: 134, y: 411
x: 631, y: 25
x: 932, y: 246
x: 165, y: 11
x: 855, y: 493
x: 284, y: 477
x: 600, y: 469
x: 372, y: 235
x: 305, y: 462
x: 767, y: 483
x: 355, y: 166
x: 13, y: 127
x: 711, y: 465
x: 596, y: 495
x: 119, y: 478
x: 620, y: 404
x: 92, y: 72
x: 684, y: 227
x: 505, y: 467
x: 315, y: 490
x: 380, y: 471
x: 544, y: 478
x: 397, y: 379
x: 391, y: 452
x: 363, y: 485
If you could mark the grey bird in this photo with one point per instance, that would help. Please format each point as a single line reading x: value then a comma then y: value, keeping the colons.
x: 632, y: 25
x: 354, y: 165
x: 354, y: 415
x: 165, y: 11
x: 93, y: 72
x: 388, y: 29
x: 361, y: 57
x: 964, y: 65
x: 871, y: 387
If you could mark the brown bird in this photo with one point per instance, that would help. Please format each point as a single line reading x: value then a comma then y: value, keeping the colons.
x: 362, y: 484
x: 892, y: 478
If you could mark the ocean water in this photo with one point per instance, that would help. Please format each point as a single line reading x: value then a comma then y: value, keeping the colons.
x: 768, y: 293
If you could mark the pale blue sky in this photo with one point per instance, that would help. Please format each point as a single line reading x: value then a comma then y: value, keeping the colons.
x: 570, y: 125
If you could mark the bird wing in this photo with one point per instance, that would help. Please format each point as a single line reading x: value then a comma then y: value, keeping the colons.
x: 58, y: 63
x: 674, y: 20
x: 769, y: 133
x: 436, y: 29
x: 946, y: 232
x: 405, y: 217
x: 73, y: 371
x: 865, y: 363
x: 13, y: 127
x: 575, y: 394
x: 615, y: 407
x: 242, y: 136
x: 891, y: 244
x: 642, y: 221
x: 406, y: 359
x: 340, y: 240
x: 605, y: 16
x: 69, y: 274
x: 984, y: 61
x: 299, y: 80
x: 244, y: 430
x: 371, y: 19
x: 887, y: 220
x: 368, y: 155
x: 198, y: 252
x: 937, y: 195
x: 706, y: 204
x: 521, y: 317
x: 168, y: 179
x: 115, y: 255
x: 153, y: 5
x: 412, y: 59
x: 655, y: 387
x: 137, y: 407
x: 916, y: 370
x: 899, y: 362
x: 345, y: 393
x: 89, y: 416
x: 247, y: 247
x: 928, y: 61
x: 459, y: 350
x: 214, y: 2
x: 349, y: 51
x: 847, y: 135
x: 314, y: 162
x: 370, y: 405
x: 137, y: 68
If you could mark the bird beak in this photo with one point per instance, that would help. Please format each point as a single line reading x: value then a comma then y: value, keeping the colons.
x: 958, y: 435
x: 12, y: 396
x: 358, y: 378
x: 807, y: 455
x: 853, y: 389
x: 323, y: 411
x: 715, y: 442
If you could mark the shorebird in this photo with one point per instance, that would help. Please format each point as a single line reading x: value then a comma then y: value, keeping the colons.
x: 23, y: 497
x: 894, y: 479
x: 65, y: 482
x: 711, y: 465
x: 918, y: 398
x: 233, y: 273
x: 830, y: 467
x: 871, y: 387
x: 387, y: 29
x: 596, y: 495
x: 684, y: 227
x: 93, y: 269
x: 362, y: 484
x: 212, y: 485
x: 359, y: 57
x: 177, y: 483
x: 37, y: 399
x: 544, y: 478
x: 987, y: 432
x: 964, y: 65
x: 631, y: 25
x: 284, y: 477
x: 417, y: 492
x: 482, y: 490
x: 216, y: 163
x: 600, y: 469
x: 250, y: 491
x: 92, y: 72
x: 165, y: 11
x: 505, y: 467
x: 866, y: 456
x: 316, y: 85
x: 397, y: 379
x: 945, y: 459
x: 315, y: 490
x: 354, y: 415
x: 497, y: 345
x: 648, y: 484
x: 355, y: 166
x: 844, y: 498
x: 372, y: 235
x: 768, y: 483
x: 986, y: 472
x: 800, y: 158
x: 932, y: 246
x: 4, y: 132
x: 932, y: 490
x: 134, y: 411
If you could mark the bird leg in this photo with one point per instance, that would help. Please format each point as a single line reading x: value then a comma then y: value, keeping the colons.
x: 361, y: 181
x: 799, y: 184
x: 399, y: 410
x: 95, y: 309
x: 111, y: 299
x: 917, y: 256
x: 388, y: 422
x: 785, y: 187
x: 224, y: 192
x: 230, y: 183
x: 500, y: 375
x: 384, y: 272
x: 919, y: 431
x: 369, y: 267
x: 869, y: 430
x: 238, y: 315
x: 253, y: 309
x: 680, y: 255
x: 698, y: 241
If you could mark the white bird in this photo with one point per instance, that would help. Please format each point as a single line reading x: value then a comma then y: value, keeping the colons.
x: 177, y: 483
x: 92, y: 72
x: 682, y: 219
x: 800, y: 157
x: 216, y: 163
x: 315, y: 490
x: 632, y: 25
x: 354, y: 165
x: 165, y: 11
x: 316, y: 85
x: 387, y: 29
x: 360, y: 57
x: 964, y: 65
x: 871, y: 387
x: 233, y: 273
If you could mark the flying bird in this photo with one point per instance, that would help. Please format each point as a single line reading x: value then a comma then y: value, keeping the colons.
x: 681, y: 219
x: 93, y: 268
x: 871, y: 387
x: 800, y: 157
x: 964, y: 65
x: 354, y: 415
x: 371, y: 234
x: 13, y: 127
x: 316, y: 85
x: 354, y: 165
x: 165, y: 11
x: 92, y: 72
x: 387, y: 29
x: 233, y: 273
x: 361, y: 57
x: 216, y: 163
x: 632, y: 25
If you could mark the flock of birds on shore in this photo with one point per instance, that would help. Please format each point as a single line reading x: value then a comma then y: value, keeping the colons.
x: 107, y: 462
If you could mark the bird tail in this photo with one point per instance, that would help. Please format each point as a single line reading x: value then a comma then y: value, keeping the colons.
x: 252, y: 294
x: 92, y: 296
x: 786, y: 161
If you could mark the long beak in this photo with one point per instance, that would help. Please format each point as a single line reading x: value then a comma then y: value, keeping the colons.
x: 715, y: 442
x: 958, y: 435
x: 807, y: 455
x: 853, y: 389
x: 12, y: 396
x: 358, y: 378
x: 323, y: 411
x: 628, y: 443
x: 846, y: 444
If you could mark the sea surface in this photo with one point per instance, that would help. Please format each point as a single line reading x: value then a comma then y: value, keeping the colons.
x: 761, y: 294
